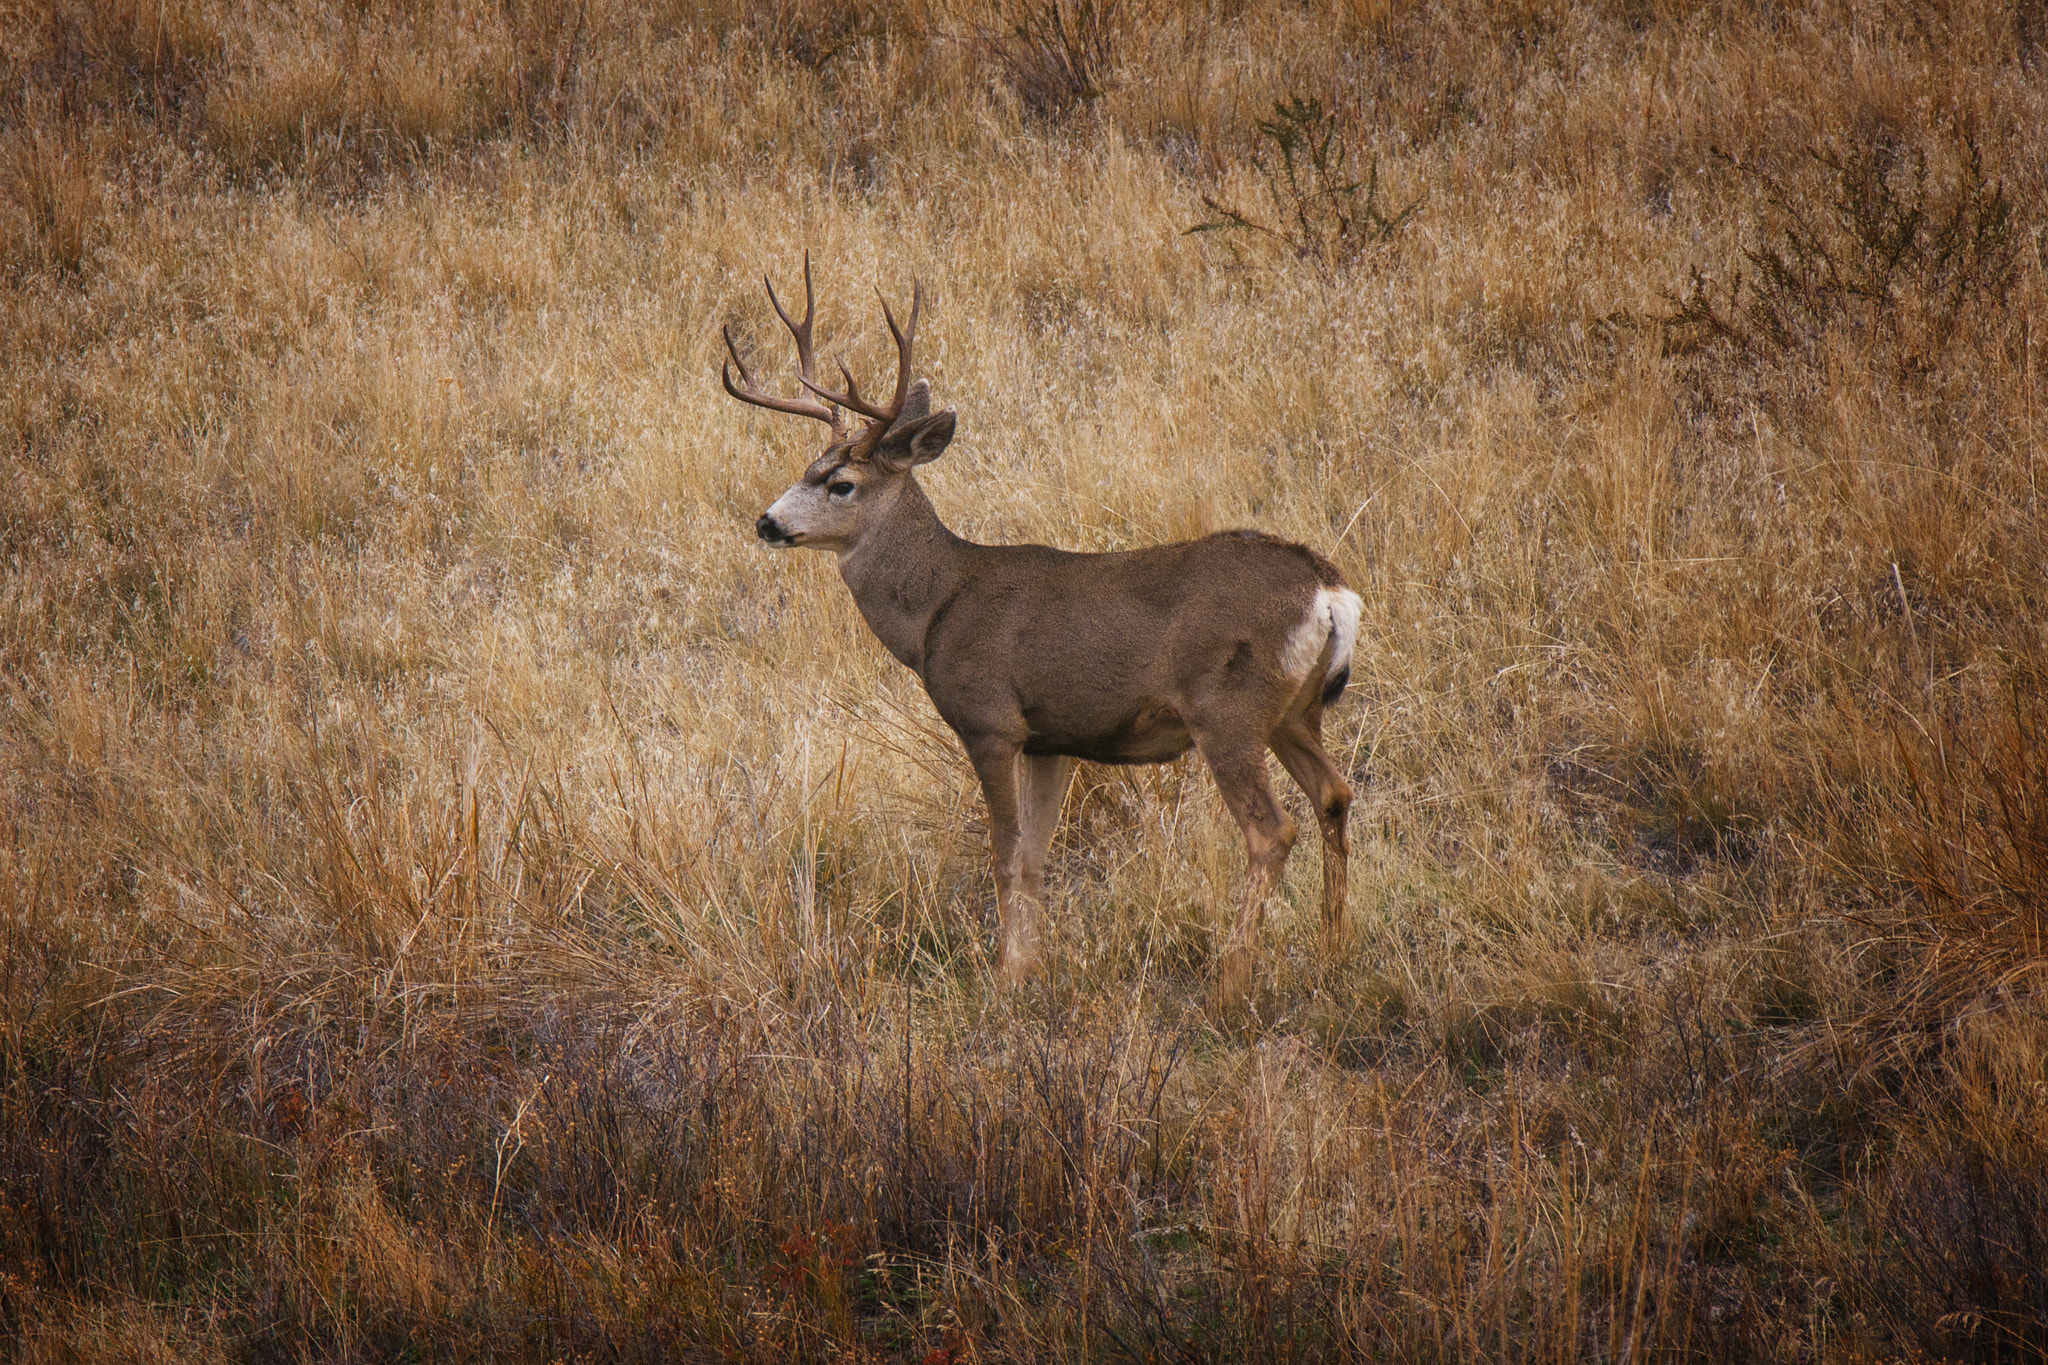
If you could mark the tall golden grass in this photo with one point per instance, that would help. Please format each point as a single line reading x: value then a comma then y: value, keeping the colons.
x: 462, y: 899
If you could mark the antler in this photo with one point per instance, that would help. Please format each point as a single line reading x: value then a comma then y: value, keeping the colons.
x: 905, y: 338
x: 801, y: 407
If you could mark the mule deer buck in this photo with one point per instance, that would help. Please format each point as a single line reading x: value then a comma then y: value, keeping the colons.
x: 1232, y: 644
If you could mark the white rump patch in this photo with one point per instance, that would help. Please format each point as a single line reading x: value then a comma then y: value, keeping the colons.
x: 1332, y: 618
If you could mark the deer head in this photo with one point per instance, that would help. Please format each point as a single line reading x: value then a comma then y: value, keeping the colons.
x: 863, y: 472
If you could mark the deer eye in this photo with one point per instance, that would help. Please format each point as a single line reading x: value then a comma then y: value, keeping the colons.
x: 840, y: 488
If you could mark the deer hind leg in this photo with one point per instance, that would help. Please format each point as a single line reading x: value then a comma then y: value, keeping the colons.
x: 1004, y: 785
x: 1298, y: 744
x: 1240, y: 772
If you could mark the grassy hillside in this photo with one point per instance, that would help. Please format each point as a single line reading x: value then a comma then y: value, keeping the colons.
x: 462, y: 898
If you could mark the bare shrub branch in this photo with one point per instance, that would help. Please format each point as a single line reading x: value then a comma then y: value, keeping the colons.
x: 1321, y: 214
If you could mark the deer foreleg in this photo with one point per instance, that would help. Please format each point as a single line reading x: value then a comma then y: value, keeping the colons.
x: 1017, y: 907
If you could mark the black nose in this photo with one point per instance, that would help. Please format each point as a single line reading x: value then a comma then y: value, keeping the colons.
x: 765, y: 527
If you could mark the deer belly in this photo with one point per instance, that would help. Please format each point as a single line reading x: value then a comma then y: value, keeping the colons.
x: 1150, y: 735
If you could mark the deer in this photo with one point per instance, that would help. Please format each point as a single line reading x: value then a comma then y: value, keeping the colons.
x: 1232, y: 644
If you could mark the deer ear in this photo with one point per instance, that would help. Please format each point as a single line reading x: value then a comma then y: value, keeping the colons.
x: 916, y: 442
x: 917, y: 404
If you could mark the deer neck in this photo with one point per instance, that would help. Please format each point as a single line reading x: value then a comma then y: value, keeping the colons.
x: 902, y: 569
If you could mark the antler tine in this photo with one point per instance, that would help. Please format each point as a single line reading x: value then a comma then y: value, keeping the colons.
x: 803, y: 333
x: 745, y: 377
x: 905, y: 338
x: 800, y: 407
x: 850, y: 399
x: 747, y: 393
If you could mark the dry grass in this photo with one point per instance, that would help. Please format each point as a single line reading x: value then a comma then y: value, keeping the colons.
x: 462, y: 899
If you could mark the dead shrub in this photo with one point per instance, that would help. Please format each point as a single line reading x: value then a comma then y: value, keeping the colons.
x: 1322, y: 212
x: 1899, y: 241
x: 1057, y: 56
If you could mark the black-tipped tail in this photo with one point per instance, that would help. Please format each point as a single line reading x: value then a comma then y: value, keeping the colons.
x: 1334, y: 688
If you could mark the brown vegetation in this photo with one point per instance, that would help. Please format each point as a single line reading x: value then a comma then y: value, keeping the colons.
x: 461, y: 899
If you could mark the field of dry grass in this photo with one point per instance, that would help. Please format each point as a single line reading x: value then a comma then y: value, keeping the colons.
x: 462, y: 898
